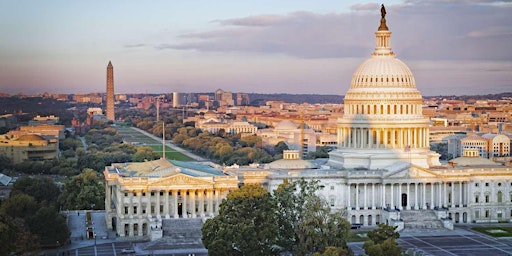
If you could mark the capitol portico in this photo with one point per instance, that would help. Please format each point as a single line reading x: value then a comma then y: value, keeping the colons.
x: 139, y: 195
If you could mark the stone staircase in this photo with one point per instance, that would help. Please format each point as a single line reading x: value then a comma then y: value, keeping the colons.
x: 178, y: 234
x: 423, y: 220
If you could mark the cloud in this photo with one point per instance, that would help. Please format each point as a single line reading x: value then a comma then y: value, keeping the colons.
x: 365, y: 7
x: 134, y: 45
x: 256, y: 21
x: 443, y: 29
x: 491, y: 31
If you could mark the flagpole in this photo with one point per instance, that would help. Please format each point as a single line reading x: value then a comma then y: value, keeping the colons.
x: 163, y: 139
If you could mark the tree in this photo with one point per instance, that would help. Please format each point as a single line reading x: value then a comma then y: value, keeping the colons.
x: 84, y: 191
x: 144, y: 153
x: 49, y: 226
x: 246, y: 224
x: 7, y: 235
x: 280, y: 147
x: 5, y: 163
x: 43, y: 190
x: 306, y: 224
x: 382, y: 242
x: 19, y: 206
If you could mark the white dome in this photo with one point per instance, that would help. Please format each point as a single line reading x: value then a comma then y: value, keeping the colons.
x: 383, y: 72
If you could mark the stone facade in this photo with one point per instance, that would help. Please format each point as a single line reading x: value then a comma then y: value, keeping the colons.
x: 140, y: 195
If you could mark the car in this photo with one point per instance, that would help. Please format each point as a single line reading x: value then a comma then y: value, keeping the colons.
x: 127, y: 250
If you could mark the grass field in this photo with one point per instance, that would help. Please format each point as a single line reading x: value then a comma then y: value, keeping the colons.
x: 357, y: 236
x: 495, y: 231
x: 139, y: 139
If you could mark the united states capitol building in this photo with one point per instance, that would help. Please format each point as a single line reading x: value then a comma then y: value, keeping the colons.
x: 381, y: 172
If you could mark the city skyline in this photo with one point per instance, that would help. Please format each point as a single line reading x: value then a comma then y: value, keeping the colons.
x: 453, y: 48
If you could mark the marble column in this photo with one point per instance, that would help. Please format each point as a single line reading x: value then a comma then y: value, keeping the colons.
x: 416, y: 207
x: 148, y: 203
x: 184, y: 197
x: 392, y: 201
x: 193, y: 203
x: 452, y: 196
x: 408, y: 201
x: 383, y: 195
x: 348, y: 197
x: 201, y: 202
x: 357, y: 196
x: 400, y: 196
x: 175, y: 197
x: 423, y: 202
x: 209, y: 202
x: 157, y: 206
x: 373, y: 196
x: 130, y: 206
x: 166, y: 205
x: 365, y: 203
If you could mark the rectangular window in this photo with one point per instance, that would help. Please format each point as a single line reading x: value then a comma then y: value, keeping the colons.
x: 476, y: 199
x: 486, y: 198
x: 125, y: 210
x: 487, y: 213
x: 332, y: 201
x: 477, y: 214
x: 332, y: 187
x: 135, y: 210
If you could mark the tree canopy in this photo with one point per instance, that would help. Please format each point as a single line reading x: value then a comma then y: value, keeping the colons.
x: 244, y: 225
x: 292, y: 220
x: 84, y: 191
x: 383, y: 242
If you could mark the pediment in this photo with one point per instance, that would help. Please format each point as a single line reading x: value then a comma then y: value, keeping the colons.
x: 412, y: 173
x: 180, y: 180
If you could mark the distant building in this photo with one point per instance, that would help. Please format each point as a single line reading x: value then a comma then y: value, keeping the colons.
x: 179, y: 99
x: 38, y: 120
x: 110, y: 92
x: 45, y: 130
x: 242, y: 99
x: 30, y: 147
x: 295, y: 136
x: 8, y: 121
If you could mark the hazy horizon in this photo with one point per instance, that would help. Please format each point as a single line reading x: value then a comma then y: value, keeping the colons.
x: 298, y: 47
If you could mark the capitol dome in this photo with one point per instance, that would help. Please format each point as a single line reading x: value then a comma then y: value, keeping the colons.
x: 383, y: 120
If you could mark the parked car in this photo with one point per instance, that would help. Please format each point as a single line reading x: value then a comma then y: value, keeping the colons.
x: 127, y: 250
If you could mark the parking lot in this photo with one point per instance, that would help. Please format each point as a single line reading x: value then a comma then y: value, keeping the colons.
x: 460, y: 242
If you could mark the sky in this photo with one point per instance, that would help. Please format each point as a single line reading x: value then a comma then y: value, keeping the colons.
x: 453, y: 47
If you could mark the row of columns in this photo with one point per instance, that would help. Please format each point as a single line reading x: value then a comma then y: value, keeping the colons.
x: 368, y: 138
x: 386, y: 109
x: 417, y: 195
x: 166, y: 202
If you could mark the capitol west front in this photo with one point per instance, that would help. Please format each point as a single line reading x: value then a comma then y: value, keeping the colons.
x: 381, y: 172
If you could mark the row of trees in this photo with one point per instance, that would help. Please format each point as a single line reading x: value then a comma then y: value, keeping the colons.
x: 293, y: 219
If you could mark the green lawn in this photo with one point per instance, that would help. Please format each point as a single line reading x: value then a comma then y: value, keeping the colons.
x: 357, y: 236
x: 140, y: 139
x: 495, y: 231
x: 170, y: 153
